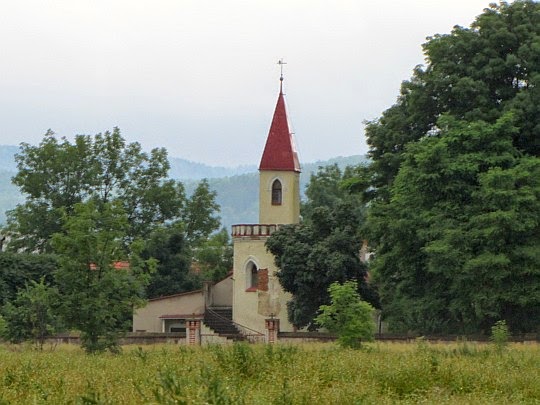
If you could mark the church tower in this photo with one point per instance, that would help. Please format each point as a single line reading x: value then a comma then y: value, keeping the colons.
x: 257, y: 293
x: 279, y: 171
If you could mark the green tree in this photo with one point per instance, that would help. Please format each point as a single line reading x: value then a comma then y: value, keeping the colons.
x: 457, y: 244
x: 329, y: 187
x: 347, y: 315
x: 97, y: 298
x: 19, y: 269
x: 57, y: 174
x: 215, y: 256
x: 169, y: 246
x: 199, y: 214
x: 31, y: 316
x: 453, y: 181
x: 476, y: 73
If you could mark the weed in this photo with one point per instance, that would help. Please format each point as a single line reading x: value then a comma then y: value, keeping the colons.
x: 170, y: 391
x: 500, y: 335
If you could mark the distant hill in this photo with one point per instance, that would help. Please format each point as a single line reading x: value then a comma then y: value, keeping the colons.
x: 181, y: 169
x: 238, y: 195
x: 237, y: 187
x: 7, y: 163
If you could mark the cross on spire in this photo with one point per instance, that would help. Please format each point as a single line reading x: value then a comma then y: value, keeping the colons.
x: 281, y: 63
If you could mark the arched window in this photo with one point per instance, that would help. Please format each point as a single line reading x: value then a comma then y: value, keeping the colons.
x: 276, y: 192
x: 252, y: 276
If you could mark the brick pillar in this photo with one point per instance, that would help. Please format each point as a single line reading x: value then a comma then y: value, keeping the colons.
x: 193, y: 331
x: 272, y: 330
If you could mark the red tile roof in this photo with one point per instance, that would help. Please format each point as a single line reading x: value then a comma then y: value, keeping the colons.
x: 115, y: 265
x: 280, y: 151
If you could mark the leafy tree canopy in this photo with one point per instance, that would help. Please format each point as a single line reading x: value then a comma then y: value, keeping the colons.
x: 475, y: 73
x: 31, y: 316
x: 454, y: 185
x: 170, y: 247
x: 199, y: 214
x: 458, y: 243
x: 98, y: 298
x: 347, y: 315
x: 215, y: 256
x: 57, y: 174
x: 19, y: 269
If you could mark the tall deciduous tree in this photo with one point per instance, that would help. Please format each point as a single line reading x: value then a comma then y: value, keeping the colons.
x: 199, y: 214
x: 454, y: 215
x: 328, y: 188
x: 458, y: 243
x: 170, y: 247
x: 98, y: 297
x: 57, y: 174
x: 215, y: 256
x: 475, y: 73
x: 19, y: 269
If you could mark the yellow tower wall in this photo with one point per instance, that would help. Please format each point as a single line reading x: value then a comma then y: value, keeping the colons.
x: 253, y: 306
x: 289, y: 210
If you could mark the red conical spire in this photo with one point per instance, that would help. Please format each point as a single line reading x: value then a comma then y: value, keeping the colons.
x: 280, y: 152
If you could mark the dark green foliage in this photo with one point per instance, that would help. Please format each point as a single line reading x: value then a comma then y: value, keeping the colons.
x: 97, y: 298
x: 454, y: 181
x: 328, y: 187
x: 476, y: 73
x: 215, y: 256
x: 199, y: 214
x: 31, y: 316
x: 17, y: 270
x: 458, y: 242
x: 169, y: 246
x: 321, y: 250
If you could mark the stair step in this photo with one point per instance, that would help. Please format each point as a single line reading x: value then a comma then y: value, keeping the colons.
x: 220, y: 321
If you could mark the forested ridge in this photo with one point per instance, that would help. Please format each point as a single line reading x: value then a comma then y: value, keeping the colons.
x: 230, y: 184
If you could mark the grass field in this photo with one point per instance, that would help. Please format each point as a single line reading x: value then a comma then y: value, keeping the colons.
x: 465, y: 373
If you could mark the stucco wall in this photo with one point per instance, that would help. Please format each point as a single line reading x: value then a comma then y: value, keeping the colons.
x: 148, y: 318
x: 251, y: 308
x: 221, y: 293
x: 289, y: 211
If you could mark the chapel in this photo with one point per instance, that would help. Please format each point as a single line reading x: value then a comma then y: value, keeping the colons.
x: 250, y: 300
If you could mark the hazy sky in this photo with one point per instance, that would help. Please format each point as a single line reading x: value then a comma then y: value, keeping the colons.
x: 200, y: 77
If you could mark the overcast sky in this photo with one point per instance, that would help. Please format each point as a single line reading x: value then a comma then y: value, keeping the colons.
x: 200, y: 77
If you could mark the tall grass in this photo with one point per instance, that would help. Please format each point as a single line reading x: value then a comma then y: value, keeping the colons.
x: 382, y: 373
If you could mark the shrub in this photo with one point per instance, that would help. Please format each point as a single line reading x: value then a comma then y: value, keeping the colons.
x: 347, y: 315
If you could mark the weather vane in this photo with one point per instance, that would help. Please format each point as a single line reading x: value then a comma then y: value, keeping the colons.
x: 281, y: 63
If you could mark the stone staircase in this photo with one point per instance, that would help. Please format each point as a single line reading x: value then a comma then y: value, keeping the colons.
x: 219, y: 319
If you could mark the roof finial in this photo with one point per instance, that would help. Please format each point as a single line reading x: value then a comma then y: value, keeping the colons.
x: 281, y: 63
